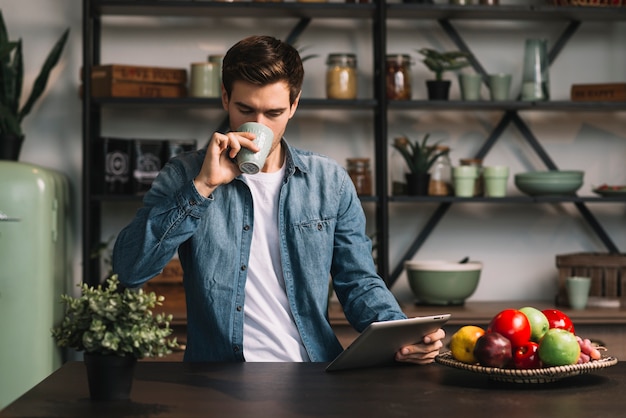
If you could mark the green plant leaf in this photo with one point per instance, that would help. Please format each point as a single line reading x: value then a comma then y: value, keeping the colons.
x: 44, y: 73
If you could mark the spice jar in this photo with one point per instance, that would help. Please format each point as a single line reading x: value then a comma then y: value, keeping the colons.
x: 341, y: 76
x: 398, y: 77
x: 441, y: 173
x: 361, y: 175
x: 479, y: 185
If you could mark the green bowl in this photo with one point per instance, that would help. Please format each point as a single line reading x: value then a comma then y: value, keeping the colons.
x: 551, y: 175
x: 549, y: 185
x: 443, y: 282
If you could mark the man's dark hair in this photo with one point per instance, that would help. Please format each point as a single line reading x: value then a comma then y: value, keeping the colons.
x: 263, y: 60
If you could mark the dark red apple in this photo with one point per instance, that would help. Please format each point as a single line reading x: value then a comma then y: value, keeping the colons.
x: 493, y: 350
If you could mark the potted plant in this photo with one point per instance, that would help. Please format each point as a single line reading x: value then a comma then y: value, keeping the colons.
x: 114, y: 327
x: 12, y: 76
x: 419, y: 157
x: 440, y: 62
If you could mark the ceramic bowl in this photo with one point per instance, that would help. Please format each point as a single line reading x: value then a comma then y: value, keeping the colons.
x: 549, y: 182
x: 438, y: 282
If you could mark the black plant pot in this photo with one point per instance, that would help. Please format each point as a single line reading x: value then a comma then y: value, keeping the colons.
x: 10, y: 147
x: 417, y: 184
x: 438, y: 89
x: 110, y: 377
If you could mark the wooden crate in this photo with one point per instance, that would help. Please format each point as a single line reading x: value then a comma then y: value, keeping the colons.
x: 607, y: 273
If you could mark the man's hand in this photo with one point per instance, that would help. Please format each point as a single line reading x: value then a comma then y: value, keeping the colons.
x: 218, y: 167
x: 423, y: 352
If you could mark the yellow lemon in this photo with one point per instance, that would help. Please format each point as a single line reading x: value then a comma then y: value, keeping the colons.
x: 463, y: 341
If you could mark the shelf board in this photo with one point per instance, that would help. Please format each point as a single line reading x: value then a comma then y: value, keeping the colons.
x: 504, y: 12
x: 508, y: 199
x: 510, y: 105
x: 216, y: 103
x: 211, y: 8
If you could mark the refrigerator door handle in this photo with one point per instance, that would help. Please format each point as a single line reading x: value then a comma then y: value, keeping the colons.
x: 5, y: 218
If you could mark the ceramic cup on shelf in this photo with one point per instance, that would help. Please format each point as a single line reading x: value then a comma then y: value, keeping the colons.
x: 470, y: 86
x: 250, y: 162
x: 203, y: 80
x: 577, y: 289
x: 464, y: 178
x: 500, y: 86
x: 496, y: 178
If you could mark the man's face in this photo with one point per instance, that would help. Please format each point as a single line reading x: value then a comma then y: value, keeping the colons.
x: 268, y: 105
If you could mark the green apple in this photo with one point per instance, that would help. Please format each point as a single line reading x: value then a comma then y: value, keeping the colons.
x: 558, y: 347
x: 539, y: 324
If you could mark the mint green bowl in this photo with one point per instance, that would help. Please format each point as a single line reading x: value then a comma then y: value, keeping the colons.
x: 439, y: 282
x: 549, y: 183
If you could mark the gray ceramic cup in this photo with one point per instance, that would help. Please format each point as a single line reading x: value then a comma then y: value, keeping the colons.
x: 470, y: 86
x: 250, y: 162
x: 578, y: 291
x: 500, y: 86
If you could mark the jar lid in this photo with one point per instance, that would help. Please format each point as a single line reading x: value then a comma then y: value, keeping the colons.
x: 400, y: 58
x: 471, y: 161
x: 342, y: 59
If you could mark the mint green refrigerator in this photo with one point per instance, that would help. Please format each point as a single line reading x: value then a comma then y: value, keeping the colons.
x: 34, y: 270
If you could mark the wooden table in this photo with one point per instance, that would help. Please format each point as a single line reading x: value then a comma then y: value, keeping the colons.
x: 276, y: 390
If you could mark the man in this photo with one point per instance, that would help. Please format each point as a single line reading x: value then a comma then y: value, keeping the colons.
x: 257, y: 250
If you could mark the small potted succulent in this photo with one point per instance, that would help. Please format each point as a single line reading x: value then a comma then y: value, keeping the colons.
x: 439, y: 63
x: 114, y: 327
x: 419, y: 157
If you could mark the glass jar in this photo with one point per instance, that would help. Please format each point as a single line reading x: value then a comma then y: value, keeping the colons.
x: 479, y: 186
x: 398, y: 77
x: 441, y: 173
x: 341, y: 76
x: 361, y: 175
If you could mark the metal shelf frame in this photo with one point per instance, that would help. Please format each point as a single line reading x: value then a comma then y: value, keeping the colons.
x: 379, y: 12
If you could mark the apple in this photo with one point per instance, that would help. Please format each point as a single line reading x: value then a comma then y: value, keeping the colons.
x: 493, y: 350
x: 559, y: 347
x: 512, y: 324
x: 527, y: 356
x: 539, y: 324
x: 558, y: 319
x: 463, y: 342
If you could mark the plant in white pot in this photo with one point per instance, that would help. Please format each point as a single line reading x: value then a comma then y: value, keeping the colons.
x: 114, y: 327
x: 439, y: 63
x: 12, y: 77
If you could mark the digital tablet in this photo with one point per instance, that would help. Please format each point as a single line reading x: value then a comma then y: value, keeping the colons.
x: 378, y: 343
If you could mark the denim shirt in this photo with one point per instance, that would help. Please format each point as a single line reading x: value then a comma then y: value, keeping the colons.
x: 322, y: 234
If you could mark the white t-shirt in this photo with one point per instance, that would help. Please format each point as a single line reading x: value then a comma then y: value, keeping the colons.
x: 269, y: 331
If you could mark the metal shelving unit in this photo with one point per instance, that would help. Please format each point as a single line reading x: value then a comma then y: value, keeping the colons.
x: 379, y: 13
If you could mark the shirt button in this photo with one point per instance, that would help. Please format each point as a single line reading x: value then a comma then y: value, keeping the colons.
x: 239, y: 308
x: 243, y: 267
x: 192, y: 202
x: 246, y: 228
x: 319, y: 227
x: 236, y: 348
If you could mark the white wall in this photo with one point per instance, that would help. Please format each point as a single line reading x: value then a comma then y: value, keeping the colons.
x: 518, y: 244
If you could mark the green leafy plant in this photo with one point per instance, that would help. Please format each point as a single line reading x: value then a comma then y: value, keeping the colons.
x: 109, y: 321
x: 12, y: 76
x: 419, y: 156
x: 440, y: 62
